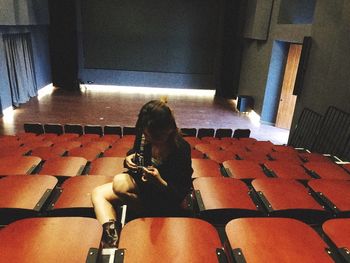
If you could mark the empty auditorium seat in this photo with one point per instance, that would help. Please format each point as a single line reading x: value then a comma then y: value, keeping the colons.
x: 326, y: 170
x: 68, y: 145
x: 290, y: 157
x: 54, y: 239
x: 118, y: 150
x: 220, y: 156
x: 193, y: 141
x: 275, y: 240
x: 223, y: 132
x: 284, y: 148
x: 14, y: 165
x: 220, y: 199
x: 108, y: 166
x: 289, y: 198
x: 75, y: 196
x: 185, y: 132
x: 206, y: 147
x: 129, y: 130
x: 53, y: 128
x: 93, y: 129
x: 36, y: 128
x: 258, y: 157
x: 242, y: 169
x: 169, y: 240
x: 64, y: 166
x: 24, y: 196
x: 205, y: 132
x: 334, y: 193
x: 73, y: 128
x: 12, y: 151
x: 47, y: 153
x: 261, y: 146
x: 286, y: 169
x: 115, y: 130
x: 196, y: 154
x: 85, y: 138
x: 101, y: 144
x: 90, y: 153
x: 241, y: 133
x: 313, y: 157
x: 205, y: 168
x: 338, y: 231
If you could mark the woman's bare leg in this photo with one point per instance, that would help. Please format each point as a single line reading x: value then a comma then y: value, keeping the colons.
x: 123, y: 188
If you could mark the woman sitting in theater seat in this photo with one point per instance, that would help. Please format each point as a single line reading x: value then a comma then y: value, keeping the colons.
x: 159, y: 172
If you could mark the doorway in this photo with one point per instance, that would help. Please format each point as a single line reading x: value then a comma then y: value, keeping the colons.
x: 279, y: 101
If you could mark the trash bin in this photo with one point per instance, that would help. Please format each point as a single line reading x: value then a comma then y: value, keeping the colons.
x: 245, y: 103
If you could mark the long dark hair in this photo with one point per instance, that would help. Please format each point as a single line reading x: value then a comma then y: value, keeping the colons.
x: 156, y: 116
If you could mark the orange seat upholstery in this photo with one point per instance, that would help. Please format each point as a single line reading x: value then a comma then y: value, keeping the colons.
x: 327, y: 170
x: 275, y: 240
x: 334, y: 193
x: 64, y: 166
x: 75, y: 196
x: 242, y: 169
x: 108, y: 166
x: 54, y: 239
x: 220, y: 199
x: 338, y: 231
x: 24, y: 196
x: 289, y: 198
x: 13, y: 165
x: 169, y: 240
x: 205, y: 168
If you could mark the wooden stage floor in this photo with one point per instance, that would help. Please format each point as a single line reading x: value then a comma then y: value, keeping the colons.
x: 100, y: 105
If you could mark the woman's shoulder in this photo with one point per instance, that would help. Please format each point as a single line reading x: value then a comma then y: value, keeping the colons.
x: 182, y: 144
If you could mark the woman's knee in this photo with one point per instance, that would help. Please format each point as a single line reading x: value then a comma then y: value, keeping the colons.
x: 122, y: 185
x: 97, y: 194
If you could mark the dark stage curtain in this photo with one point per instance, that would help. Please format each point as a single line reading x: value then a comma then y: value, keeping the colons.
x: 20, y: 67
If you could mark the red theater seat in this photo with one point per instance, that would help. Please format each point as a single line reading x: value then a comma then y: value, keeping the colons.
x: 334, y: 193
x: 242, y: 169
x: 275, y: 240
x: 289, y: 198
x: 14, y: 165
x: 64, y: 166
x: 108, y: 166
x: 287, y: 170
x: 24, y: 196
x: 338, y: 231
x: 54, y: 239
x: 169, y: 240
x: 220, y: 156
x: 75, y: 195
x: 89, y: 153
x: 220, y: 199
x: 205, y: 168
x: 327, y: 170
x: 46, y: 153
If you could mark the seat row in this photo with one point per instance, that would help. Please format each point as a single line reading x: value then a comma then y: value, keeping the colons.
x: 215, y: 199
x: 56, y: 128
x: 169, y: 239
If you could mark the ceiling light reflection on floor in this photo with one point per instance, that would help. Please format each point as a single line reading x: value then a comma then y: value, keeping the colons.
x: 254, y: 118
x: 149, y: 90
x: 47, y: 90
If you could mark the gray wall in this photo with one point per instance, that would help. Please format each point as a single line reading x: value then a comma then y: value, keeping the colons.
x: 327, y: 81
x: 257, y: 56
x: 186, y: 63
x: 23, y: 12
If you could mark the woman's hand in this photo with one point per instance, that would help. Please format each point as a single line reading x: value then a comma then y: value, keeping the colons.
x: 129, y: 162
x: 152, y: 174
